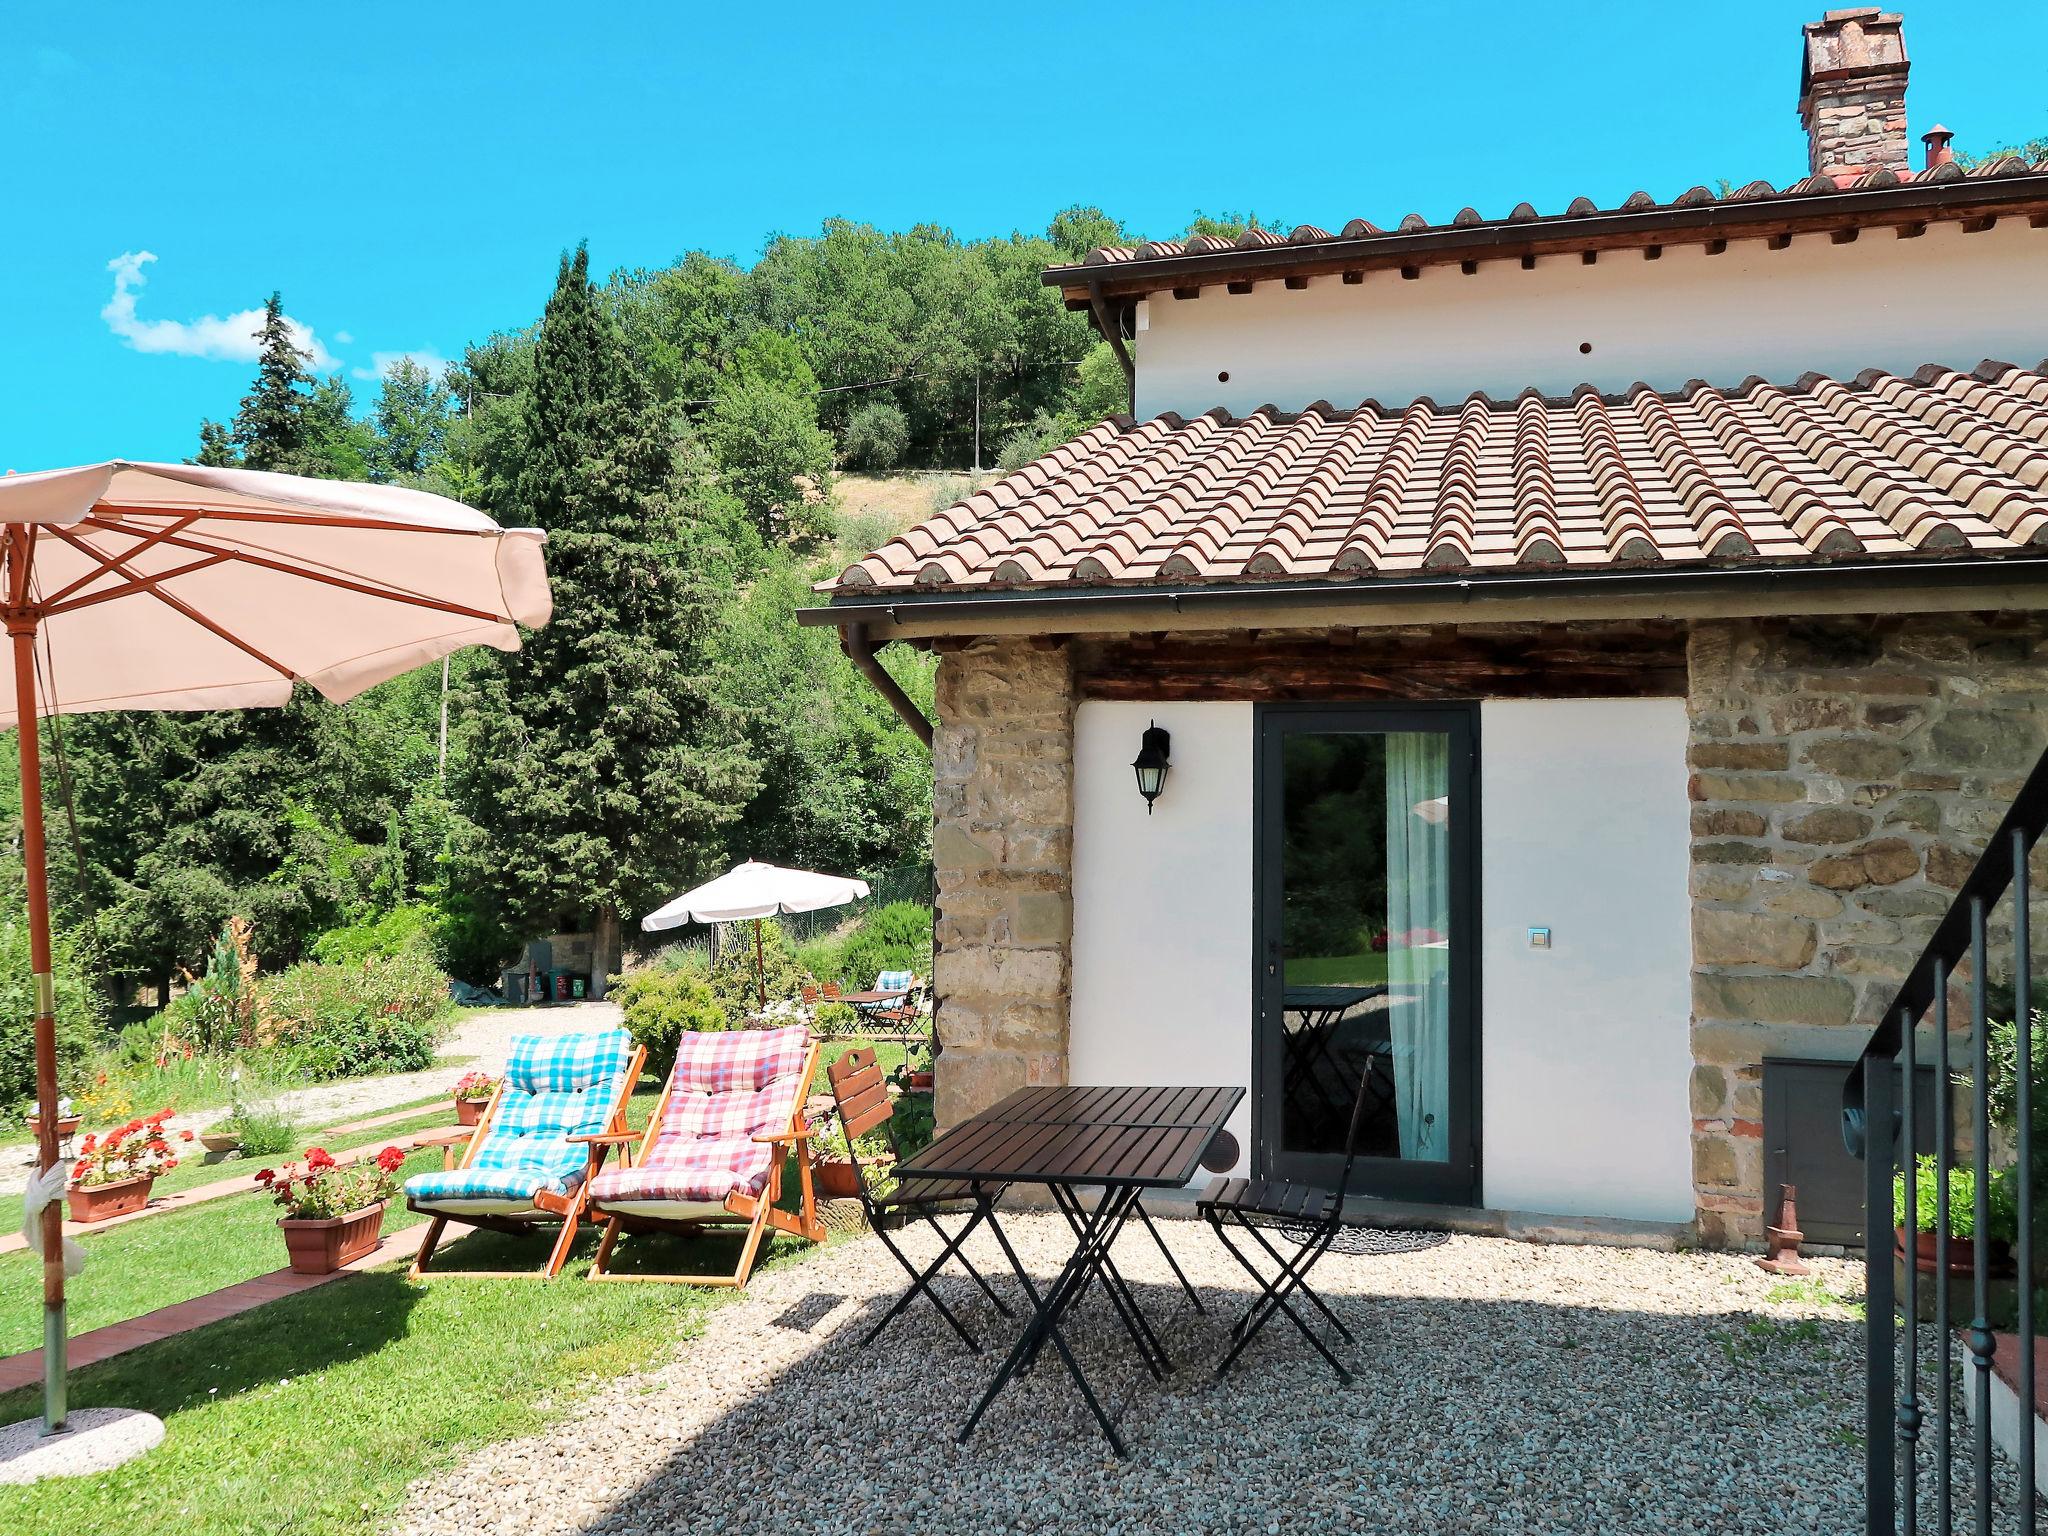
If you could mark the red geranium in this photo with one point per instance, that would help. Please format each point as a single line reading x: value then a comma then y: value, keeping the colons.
x: 390, y: 1159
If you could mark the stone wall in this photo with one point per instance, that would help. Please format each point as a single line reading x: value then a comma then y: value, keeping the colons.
x: 1003, y: 842
x: 1845, y: 775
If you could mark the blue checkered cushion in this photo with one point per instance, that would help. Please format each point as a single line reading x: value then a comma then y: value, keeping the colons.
x: 894, y: 981
x: 556, y: 1086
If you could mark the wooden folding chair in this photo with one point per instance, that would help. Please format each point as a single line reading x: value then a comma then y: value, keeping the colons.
x: 712, y: 1155
x: 862, y: 1096
x: 536, y: 1148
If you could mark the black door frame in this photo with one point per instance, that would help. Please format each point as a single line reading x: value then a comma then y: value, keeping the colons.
x: 1456, y: 1182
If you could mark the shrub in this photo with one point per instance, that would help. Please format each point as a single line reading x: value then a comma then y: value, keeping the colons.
x: 410, y: 927
x: 875, y: 437
x: 385, y: 1014
x: 662, y: 1005
x: 78, y: 1015
x: 1034, y: 440
x: 265, y: 1130
x: 219, y: 1008
x: 832, y: 1019
x: 733, y: 978
x: 897, y: 937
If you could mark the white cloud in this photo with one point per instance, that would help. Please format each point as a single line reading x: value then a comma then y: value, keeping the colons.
x: 343, y: 338
x: 229, y: 339
x: 382, y: 363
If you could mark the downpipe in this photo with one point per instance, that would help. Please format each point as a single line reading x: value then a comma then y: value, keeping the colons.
x: 853, y: 640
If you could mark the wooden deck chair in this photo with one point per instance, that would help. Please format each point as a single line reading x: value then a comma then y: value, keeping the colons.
x: 862, y: 1097
x: 539, y: 1142
x: 713, y: 1153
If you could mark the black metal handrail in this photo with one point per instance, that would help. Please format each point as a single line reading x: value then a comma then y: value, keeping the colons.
x: 1880, y: 1092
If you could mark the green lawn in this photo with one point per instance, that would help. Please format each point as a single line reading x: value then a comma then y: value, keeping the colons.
x: 310, y: 1416
x: 1366, y: 970
x: 139, y: 1266
x: 142, y: 1265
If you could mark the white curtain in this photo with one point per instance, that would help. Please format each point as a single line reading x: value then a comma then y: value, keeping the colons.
x: 1418, y: 938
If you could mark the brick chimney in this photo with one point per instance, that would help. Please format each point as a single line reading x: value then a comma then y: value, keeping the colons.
x: 1852, y: 92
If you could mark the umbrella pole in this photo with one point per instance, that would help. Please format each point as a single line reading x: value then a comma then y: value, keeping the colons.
x: 760, y: 969
x: 22, y: 629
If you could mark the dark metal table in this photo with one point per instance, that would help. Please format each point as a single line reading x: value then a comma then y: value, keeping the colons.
x: 1123, y: 1141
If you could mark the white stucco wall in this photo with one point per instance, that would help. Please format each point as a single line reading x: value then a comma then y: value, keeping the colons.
x: 1880, y: 302
x: 1162, y: 988
x: 1586, y: 1047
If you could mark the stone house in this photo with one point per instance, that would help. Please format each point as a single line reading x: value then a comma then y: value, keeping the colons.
x: 1598, y: 701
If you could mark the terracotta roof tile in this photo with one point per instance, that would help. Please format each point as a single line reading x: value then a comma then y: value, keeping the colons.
x: 1872, y: 180
x: 1941, y: 463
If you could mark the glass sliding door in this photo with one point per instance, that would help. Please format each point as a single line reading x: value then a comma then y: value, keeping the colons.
x: 1365, y: 907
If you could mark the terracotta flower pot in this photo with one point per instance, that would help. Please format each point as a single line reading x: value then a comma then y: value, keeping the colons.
x: 67, y: 1125
x: 321, y: 1245
x: 921, y: 1082
x: 1962, y: 1253
x: 836, y: 1178
x: 220, y: 1141
x: 97, y: 1202
x: 469, y: 1111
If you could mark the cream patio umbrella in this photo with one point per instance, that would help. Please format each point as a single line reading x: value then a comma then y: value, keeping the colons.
x: 178, y: 587
x: 754, y: 890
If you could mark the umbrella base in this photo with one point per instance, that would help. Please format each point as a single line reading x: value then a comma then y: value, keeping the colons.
x: 92, y: 1440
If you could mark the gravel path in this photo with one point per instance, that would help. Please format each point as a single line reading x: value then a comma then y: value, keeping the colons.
x: 1501, y: 1387
x: 479, y: 1043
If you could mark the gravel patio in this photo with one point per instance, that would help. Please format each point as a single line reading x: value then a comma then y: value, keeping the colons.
x: 1500, y: 1386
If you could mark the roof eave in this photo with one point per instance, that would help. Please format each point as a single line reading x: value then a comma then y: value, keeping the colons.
x: 1790, y: 213
x: 1695, y: 591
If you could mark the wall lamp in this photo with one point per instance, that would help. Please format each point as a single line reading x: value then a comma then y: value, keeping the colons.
x: 1151, y: 763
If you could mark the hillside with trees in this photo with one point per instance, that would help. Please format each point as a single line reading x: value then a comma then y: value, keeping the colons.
x: 680, y: 433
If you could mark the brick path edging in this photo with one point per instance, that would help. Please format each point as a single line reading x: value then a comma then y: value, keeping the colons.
x: 26, y: 1368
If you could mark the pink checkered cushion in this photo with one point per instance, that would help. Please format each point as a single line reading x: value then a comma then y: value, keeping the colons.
x: 726, y: 1090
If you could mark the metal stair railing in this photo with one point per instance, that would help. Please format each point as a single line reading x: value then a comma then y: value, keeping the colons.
x: 1879, y: 1093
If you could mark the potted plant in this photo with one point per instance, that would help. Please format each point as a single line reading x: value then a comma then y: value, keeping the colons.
x: 115, y: 1171
x: 832, y: 1168
x: 333, y: 1212
x: 67, y: 1121
x: 473, y: 1092
x: 1962, y: 1217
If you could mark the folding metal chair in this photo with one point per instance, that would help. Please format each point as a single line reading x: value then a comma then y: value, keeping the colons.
x: 1308, y: 1215
x: 862, y: 1096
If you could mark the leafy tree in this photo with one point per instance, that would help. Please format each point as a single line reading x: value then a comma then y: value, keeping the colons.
x: 1228, y: 226
x: 1076, y: 231
x: 773, y: 457
x: 270, y: 427
x: 598, y: 769
x: 2033, y: 151
x: 1101, y: 388
x: 843, y: 784
x: 412, y: 422
x: 876, y: 436
x: 683, y: 322
x: 338, y: 445
x: 771, y: 358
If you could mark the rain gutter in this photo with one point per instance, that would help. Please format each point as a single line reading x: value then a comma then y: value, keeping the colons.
x: 1050, y: 606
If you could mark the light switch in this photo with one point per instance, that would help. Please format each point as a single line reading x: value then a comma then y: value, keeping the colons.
x: 1539, y: 938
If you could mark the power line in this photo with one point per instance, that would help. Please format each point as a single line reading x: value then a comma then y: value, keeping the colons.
x: 904, y: 378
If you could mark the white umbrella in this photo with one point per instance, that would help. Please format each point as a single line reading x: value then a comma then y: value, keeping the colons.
x: 755, y: 890
x: 174, y: 586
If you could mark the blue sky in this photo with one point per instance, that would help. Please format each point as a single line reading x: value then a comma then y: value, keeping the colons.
x: 407, y: 174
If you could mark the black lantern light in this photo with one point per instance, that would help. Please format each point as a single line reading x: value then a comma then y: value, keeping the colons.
x: 1151, y: 764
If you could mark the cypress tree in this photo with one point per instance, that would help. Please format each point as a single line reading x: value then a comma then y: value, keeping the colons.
x: 270, y: 426
x: 599, y: 768
x: 216, y: 449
